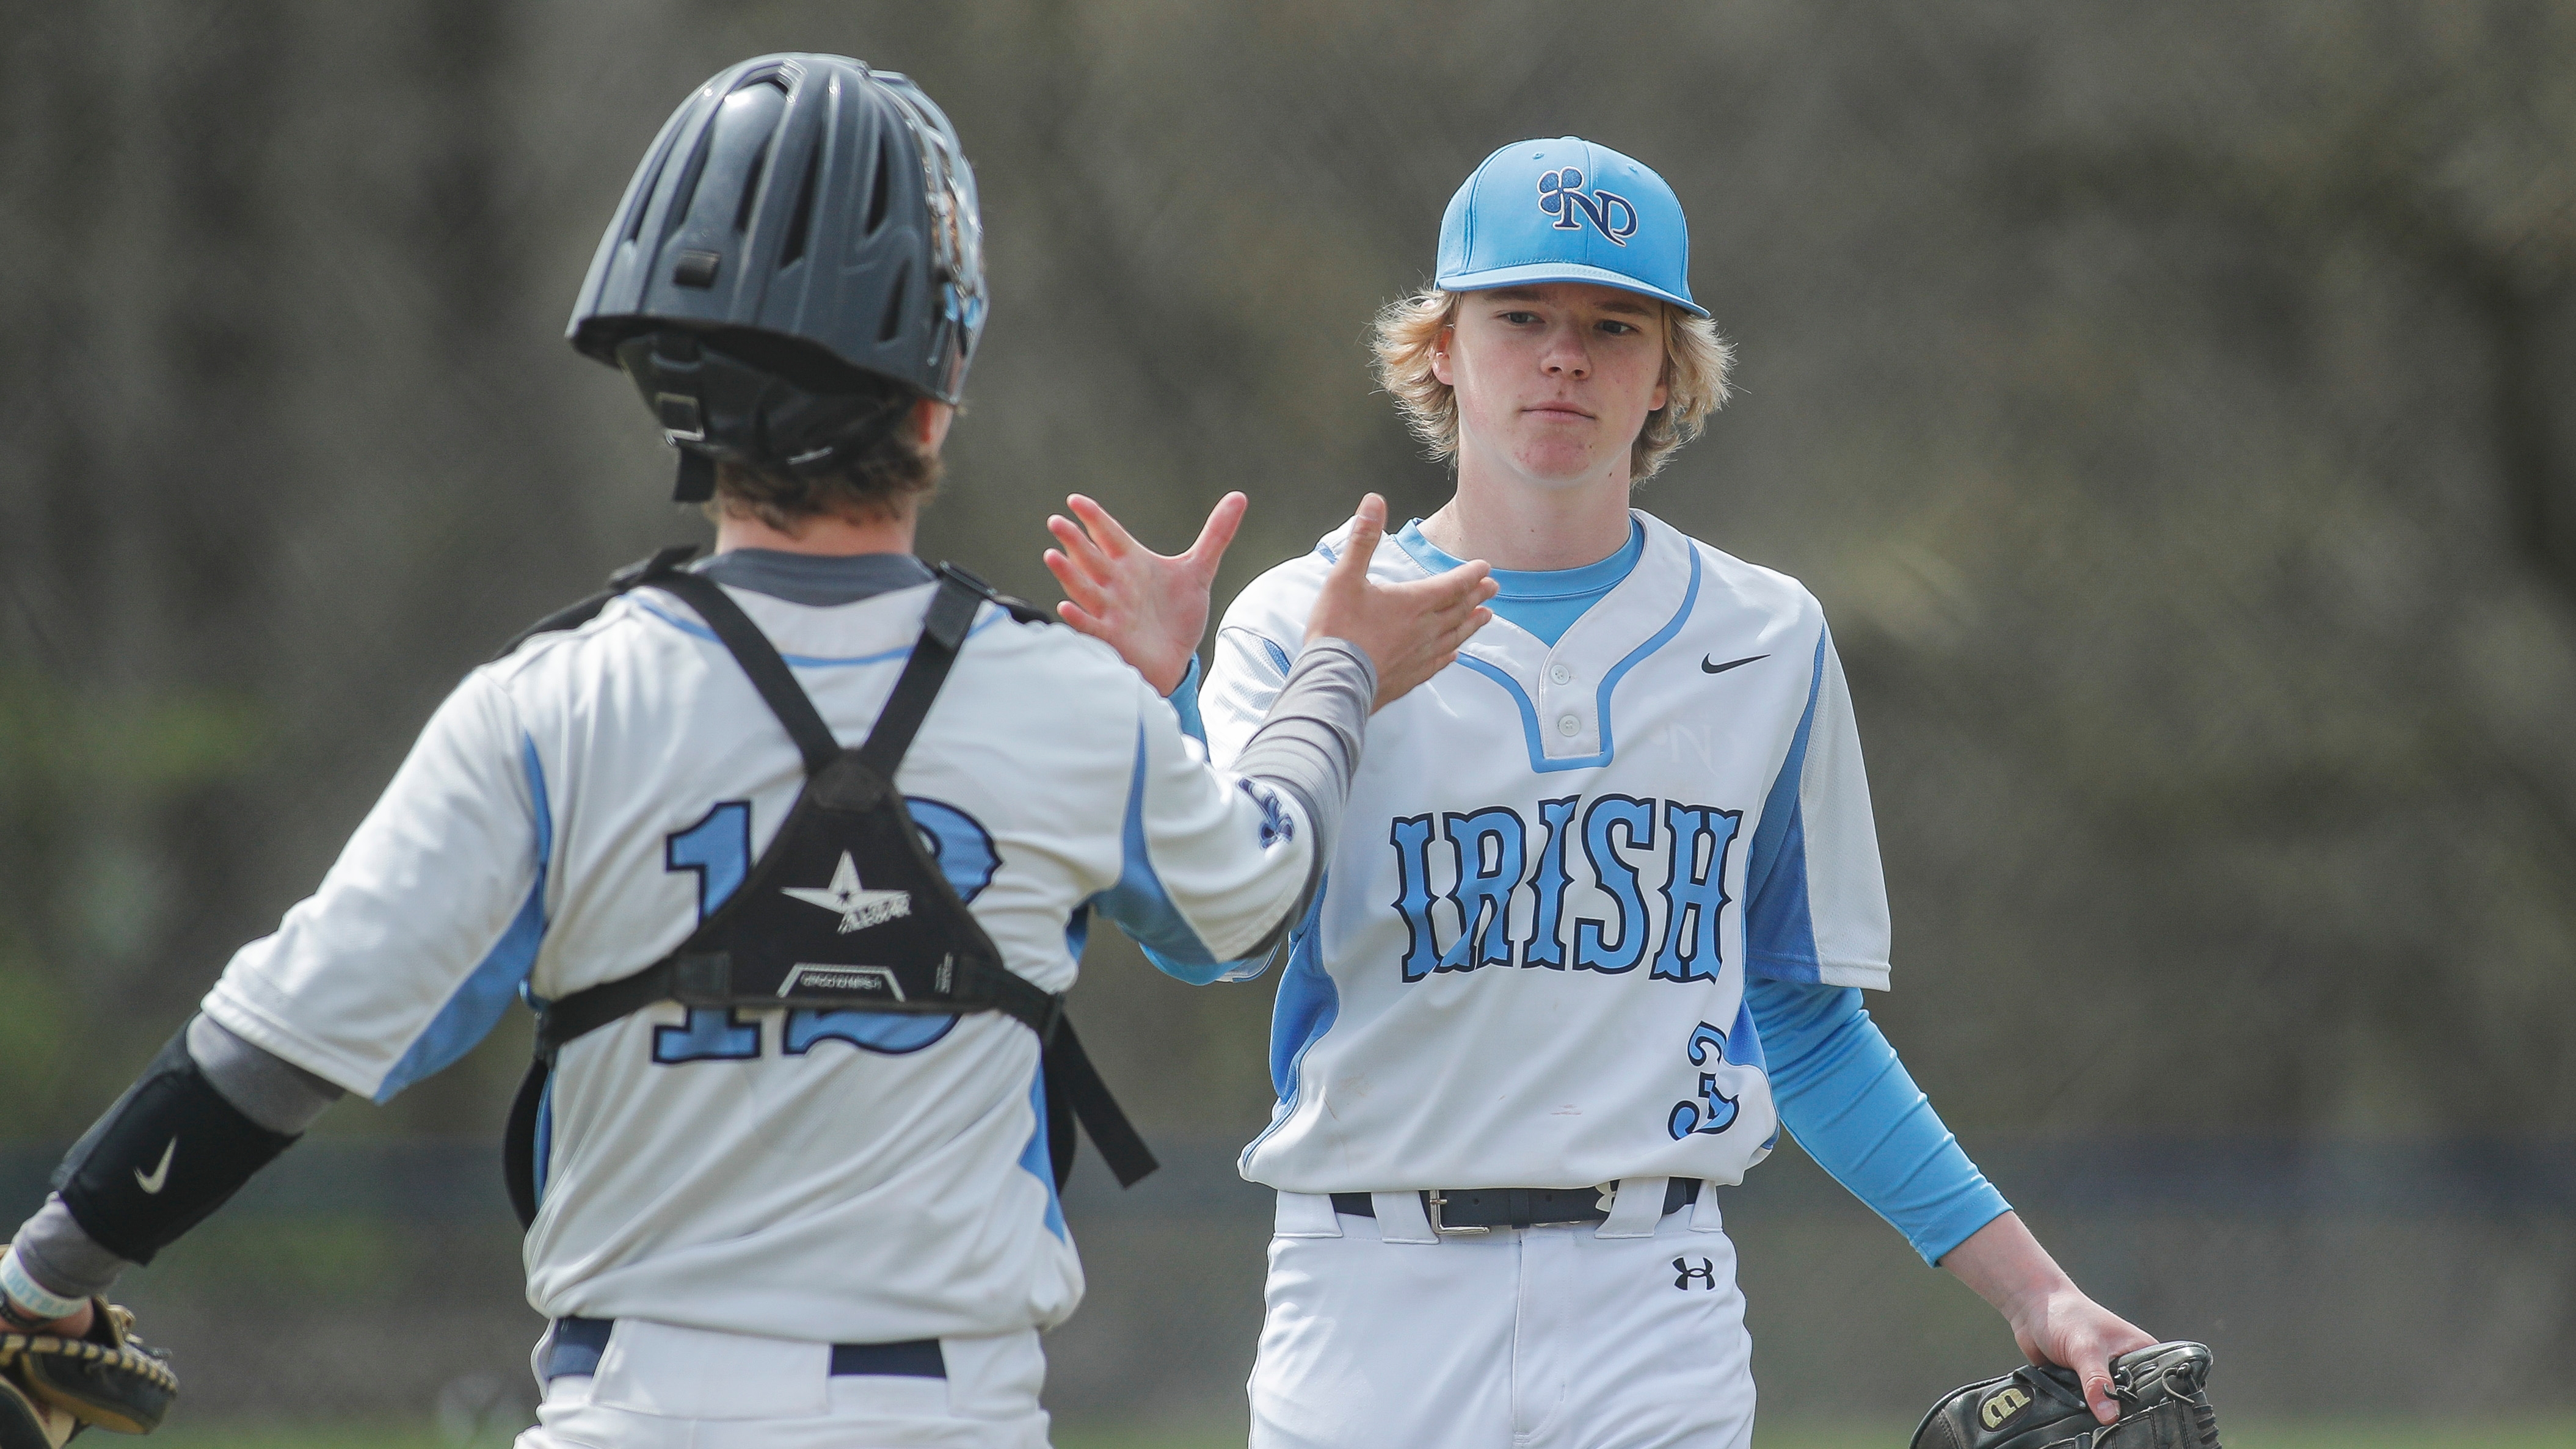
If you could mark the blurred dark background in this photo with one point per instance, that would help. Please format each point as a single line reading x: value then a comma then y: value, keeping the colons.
x: 2174, y: 407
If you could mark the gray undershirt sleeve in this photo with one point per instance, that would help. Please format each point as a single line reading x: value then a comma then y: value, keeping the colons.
x: 274, y: 1093
x: 1309, y: 746
x: 62, y: 1258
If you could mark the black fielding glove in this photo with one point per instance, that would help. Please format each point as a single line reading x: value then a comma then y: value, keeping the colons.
x: 2162, y: 1389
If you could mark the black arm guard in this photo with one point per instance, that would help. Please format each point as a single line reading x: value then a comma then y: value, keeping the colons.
x: 168, y: 1153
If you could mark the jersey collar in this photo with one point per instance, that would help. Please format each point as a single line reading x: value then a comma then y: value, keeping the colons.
x: 1564, y: 693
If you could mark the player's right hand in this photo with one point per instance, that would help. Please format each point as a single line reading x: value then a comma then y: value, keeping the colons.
x: 1150, y: 607
x: 1410, y: 631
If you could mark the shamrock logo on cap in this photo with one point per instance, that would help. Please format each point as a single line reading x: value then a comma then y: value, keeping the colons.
x: 1561, y: 195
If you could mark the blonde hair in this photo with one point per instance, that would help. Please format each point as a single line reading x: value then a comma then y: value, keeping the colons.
x: 1696, y: 360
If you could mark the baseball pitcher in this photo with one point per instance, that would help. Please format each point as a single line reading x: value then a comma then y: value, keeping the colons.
x: 1607, y: 895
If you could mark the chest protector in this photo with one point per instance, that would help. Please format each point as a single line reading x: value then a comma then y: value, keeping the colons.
x: 847, y: 909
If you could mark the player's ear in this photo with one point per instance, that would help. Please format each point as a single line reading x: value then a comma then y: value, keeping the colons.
x: 1440, y: 364
x: 928, y: 425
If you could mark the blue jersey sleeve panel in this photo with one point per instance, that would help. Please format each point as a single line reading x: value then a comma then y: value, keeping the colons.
x: 1035, y: 1158
x: 1544, y: 602
x: 479, y: 1001
x: 1185, y: 703
x: 1144, y: 910
x: 1308, y: 1002
x: 1856, y: 1111
x: 1779, y: 920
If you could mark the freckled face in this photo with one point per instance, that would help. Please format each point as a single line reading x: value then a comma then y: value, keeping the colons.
x: 1554, y: 381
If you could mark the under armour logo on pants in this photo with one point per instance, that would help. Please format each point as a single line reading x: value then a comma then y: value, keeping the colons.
x: 1683, y: 1273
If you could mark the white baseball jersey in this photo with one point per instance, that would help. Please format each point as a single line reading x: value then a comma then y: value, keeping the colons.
x: 1527, y: 964
x: 836, y: 1176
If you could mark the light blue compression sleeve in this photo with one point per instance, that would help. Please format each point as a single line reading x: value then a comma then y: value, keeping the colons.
x: 1855, y: 1110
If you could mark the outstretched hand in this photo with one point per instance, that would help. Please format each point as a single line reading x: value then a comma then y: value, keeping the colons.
x: 1410, y: 631
x: 1152, y: 608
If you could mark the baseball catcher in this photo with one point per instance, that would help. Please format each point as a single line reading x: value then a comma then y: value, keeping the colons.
x: 773, y: 842
x: 2162, y: 1389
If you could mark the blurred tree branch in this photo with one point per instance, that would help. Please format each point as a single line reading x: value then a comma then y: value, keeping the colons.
x: 2464, y: 173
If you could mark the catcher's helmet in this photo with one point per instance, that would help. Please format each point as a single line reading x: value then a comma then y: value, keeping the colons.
x: 803, y: 230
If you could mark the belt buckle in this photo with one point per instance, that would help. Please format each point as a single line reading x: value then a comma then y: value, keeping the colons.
x: 1436, y: 1202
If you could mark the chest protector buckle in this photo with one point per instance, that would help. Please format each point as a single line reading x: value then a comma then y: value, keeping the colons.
x: 847, y: 909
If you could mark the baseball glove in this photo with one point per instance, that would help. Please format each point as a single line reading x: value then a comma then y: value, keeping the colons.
x: 53, y: 1387
x: 2164, y: 1404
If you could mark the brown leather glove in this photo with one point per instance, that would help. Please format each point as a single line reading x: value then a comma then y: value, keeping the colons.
x: 51, y: 1387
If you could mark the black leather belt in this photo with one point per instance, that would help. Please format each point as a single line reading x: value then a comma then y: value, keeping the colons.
x: 578, y: 1343
x: 1481, y: 1209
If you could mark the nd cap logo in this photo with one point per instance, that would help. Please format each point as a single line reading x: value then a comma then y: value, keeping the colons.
x: 1561, y: 195
x: 2000, y: 1406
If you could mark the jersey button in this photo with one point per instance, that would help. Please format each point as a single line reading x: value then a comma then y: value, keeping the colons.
x: 1568, y: 726
x: 1560, y: 674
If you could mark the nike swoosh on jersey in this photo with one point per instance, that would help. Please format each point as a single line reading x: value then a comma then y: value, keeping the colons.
x: 152, y: 1181
x: 1707, y: 668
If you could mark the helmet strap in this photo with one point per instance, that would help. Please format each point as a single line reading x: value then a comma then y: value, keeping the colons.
x: 697, y: 479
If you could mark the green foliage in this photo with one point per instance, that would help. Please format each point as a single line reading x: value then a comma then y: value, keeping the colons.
x: 33, y: 1041
x: 56, y: 744
x: 87, y: 780
x: 299, y: 1264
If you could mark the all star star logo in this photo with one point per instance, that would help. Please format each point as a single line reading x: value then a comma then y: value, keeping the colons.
x: 860, y: 907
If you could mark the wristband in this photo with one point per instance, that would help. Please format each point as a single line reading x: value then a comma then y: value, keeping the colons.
x: 25, y: 1292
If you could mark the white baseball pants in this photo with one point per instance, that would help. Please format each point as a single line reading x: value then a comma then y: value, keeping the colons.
x: 1627, y: 1334
x: 665, y: 1387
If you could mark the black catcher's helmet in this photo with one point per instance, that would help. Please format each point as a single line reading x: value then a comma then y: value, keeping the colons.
x: 803, y: 230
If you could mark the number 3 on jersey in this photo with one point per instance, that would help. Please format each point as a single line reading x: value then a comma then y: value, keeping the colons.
x: 1715, y: 1110
x: 718, y: 849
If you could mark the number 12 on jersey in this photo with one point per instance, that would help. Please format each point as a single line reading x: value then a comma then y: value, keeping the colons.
x: 718, y: 849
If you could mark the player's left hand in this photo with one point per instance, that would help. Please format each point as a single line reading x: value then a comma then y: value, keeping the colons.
x: 74, y: 1326
x: 2069, y: 1330
x: 1152, y: 608
x: 54, y: 1383
x: 2052, y: 1321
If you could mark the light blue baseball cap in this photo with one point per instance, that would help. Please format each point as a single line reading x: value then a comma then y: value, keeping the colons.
x: 1566, y: 211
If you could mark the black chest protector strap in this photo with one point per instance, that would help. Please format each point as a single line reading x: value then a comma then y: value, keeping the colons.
x: 573, y: 616
x: 847, y: 909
